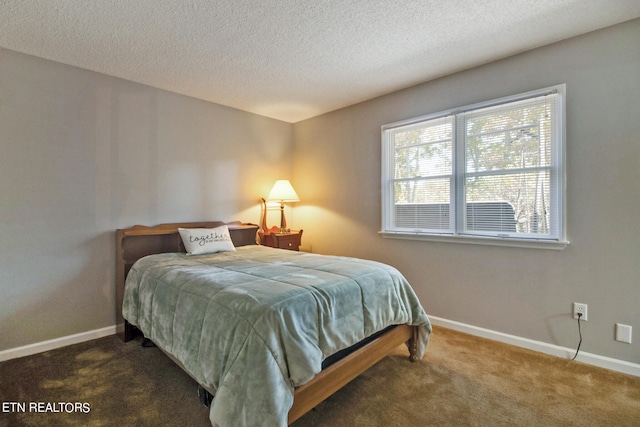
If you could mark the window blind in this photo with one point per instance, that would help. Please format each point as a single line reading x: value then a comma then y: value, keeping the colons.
x: 509, y: 161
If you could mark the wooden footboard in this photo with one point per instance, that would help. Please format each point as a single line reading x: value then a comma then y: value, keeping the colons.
x: 340, y: 373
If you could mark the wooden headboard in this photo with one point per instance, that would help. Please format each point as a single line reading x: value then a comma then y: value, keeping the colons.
x: 140, y: 240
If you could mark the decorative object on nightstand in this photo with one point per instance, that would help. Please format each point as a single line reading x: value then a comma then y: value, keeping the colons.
x: 280, y: 237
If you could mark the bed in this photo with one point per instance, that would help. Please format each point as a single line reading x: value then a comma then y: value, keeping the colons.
x: 269, y: 332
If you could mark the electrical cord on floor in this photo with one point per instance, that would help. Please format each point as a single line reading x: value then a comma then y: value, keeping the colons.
x: 579, y: 333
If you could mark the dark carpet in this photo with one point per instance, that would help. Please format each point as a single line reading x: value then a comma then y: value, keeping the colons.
x: 462, y: 381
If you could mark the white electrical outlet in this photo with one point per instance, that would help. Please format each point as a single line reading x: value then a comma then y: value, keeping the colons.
x: 581, y: 308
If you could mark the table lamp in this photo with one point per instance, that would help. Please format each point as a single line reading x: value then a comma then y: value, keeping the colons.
x: 283, y: 192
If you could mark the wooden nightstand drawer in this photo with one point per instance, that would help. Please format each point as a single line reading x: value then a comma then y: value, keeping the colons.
x: 290, y: 241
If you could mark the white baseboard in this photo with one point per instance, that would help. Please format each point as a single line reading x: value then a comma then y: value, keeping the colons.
x: 28, y: 350
x: 542, y: 347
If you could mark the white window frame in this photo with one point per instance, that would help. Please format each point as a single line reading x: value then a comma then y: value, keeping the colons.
x: 557, y: 240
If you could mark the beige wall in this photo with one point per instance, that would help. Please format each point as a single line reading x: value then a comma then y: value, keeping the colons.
x: 83, y: 154
x: 524, y: 292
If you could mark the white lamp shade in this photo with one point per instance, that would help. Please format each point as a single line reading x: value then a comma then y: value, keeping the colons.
x: 283, y: 191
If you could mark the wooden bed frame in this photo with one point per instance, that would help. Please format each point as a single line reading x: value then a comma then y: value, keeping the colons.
x: 139, y: 241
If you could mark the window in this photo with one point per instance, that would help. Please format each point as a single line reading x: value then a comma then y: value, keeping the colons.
x: 486, y: 173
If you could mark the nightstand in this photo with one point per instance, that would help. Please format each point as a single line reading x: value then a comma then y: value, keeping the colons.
x: 290, y: 241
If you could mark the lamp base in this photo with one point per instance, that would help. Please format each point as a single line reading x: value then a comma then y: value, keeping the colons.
x: 283, y: 221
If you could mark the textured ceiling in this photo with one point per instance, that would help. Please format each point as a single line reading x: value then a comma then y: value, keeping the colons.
x: 292, y: 59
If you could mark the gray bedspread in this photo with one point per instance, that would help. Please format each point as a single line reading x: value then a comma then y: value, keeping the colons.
x: 254, y: 323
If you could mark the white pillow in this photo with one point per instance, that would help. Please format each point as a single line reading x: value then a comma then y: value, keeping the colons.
x: 199, y: 241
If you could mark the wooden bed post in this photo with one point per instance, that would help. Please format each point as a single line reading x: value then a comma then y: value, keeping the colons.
x: 413, y: 344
